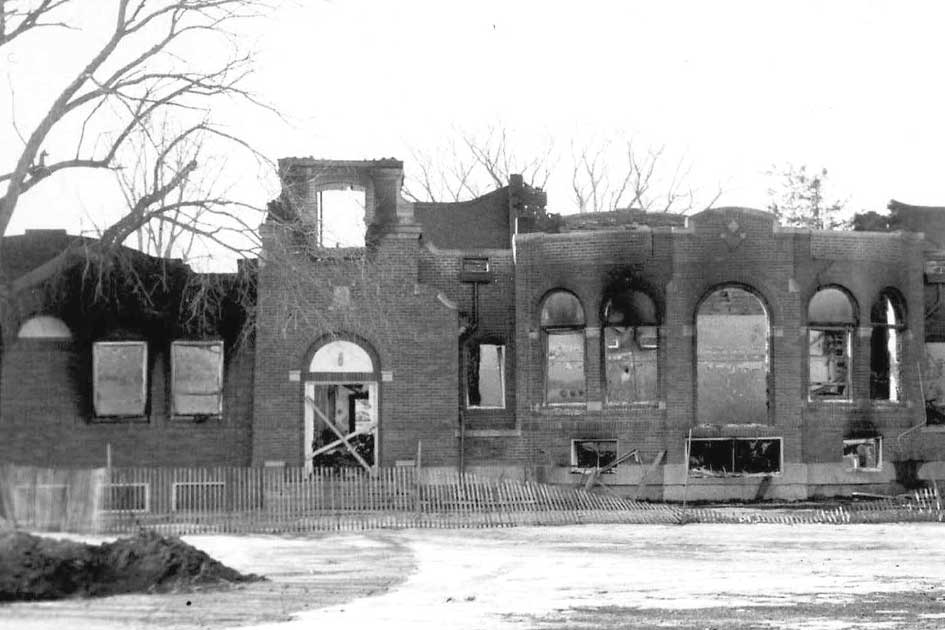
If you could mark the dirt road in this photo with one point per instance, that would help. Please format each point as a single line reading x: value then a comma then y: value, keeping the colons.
x: 694, y: 576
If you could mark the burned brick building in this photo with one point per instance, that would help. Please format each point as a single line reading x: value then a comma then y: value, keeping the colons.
x: 715, y: 356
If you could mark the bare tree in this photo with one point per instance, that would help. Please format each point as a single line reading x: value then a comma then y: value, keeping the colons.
x: 139, y: 107
x: 471, y: 164
x: 604, y: 180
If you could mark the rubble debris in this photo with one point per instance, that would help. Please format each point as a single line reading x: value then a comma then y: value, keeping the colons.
x: 39, y: 568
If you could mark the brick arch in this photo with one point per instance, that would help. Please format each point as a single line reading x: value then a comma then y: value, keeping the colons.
x: 538, y: 305
x: 815, y: 289
x: 757, y: 286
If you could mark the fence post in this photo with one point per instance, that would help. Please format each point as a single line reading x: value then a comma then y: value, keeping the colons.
x: 419, y: 465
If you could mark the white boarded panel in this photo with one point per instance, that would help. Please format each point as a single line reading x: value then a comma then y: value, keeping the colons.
x: 197, y: 368
x: 341, y: 356
x: 119, y: 379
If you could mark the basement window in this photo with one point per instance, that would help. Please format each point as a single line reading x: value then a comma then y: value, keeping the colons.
x: 197, y: 378
x: 119, y: 378
x: 863, y: 454
x: 485, y: 376
x: 722, y: 457
x: 831, y: 320
x: 592, y: 454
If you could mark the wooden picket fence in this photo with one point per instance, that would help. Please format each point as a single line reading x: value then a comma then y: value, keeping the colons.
x: 292, y: 500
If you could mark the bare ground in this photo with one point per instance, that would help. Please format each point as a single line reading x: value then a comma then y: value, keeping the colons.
x: 695, y: 576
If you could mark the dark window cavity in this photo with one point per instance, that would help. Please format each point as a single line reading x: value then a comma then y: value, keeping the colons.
x: 888, y: 327
x: 631, y: 348
x: 830, y: 321
x: 718, y: 457
x: 592, y: 454
x: 562, y: 324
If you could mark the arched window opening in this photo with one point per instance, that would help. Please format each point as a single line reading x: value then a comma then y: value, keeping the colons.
x: 831, y: 319
x: 732, y: 358
x: 631, y: 347
x: 562, y: 326
x: 44, y: 327
x: 888, y: 325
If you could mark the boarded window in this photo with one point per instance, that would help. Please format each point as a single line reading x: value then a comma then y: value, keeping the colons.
x: 486, y: 376
x: 197, y: 374
x: 565, y: 367
x: 719, y: 457
x: 886, y: 348
x: 831, y: 319
x: 863, y: 454
x: 592, y: 454
x: 119, y: 378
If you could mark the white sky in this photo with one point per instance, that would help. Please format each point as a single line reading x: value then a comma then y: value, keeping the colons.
x: 731, y: 87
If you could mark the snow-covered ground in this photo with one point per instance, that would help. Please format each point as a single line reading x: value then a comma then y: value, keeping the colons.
x: 515, y: 577
x: 591, y: 576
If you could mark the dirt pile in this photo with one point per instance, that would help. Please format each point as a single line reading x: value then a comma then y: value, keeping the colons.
x: 35, y: 568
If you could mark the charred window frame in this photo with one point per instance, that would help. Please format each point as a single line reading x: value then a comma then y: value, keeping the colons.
x: 562, y: 329
x: 485, y: 375
x: 831, y: 319
x: 742, y: 456
x: 119, y: 379
x: 863, y: 454
x: 593, y: 455
x: 887, y: 321
x: 630, y: 348
x: 197, y: 378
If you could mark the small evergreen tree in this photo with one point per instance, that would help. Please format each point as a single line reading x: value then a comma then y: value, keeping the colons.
x: 799, y: 200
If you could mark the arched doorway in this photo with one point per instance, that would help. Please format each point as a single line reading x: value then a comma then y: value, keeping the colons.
x: 732, y: 358
x: 341, y: 407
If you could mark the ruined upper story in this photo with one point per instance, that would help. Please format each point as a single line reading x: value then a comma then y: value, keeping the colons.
x: 353, y: 203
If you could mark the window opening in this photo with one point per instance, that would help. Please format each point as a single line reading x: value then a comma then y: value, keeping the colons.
x: 830, y: 320
x: 863, y: 454
x: 886, y: 349
x: 44, y: 327
x: 631, y: 344
x: 197, y: 378
x: 344, y: 425
x: 592, y: 454
x: 562, y: 321
x: 119, y: 378
x: 732, y: 358
x: 485, y: 376
x: 933, y: 378
x: 719, y: 457
x: 334, y: 216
